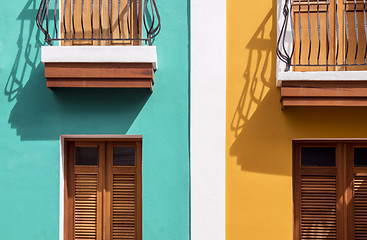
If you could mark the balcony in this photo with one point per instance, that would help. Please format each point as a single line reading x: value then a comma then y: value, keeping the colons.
x: 322, y: 52
x: 99, y: 43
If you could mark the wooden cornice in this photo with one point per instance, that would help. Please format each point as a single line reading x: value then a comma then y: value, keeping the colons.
x: 99, y: 75
x: 324, y: 93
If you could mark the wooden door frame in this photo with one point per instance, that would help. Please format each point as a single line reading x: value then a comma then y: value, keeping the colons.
x: 344, y: 156
x: 66, y: 145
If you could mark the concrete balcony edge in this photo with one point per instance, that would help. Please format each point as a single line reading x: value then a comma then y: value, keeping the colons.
x: 99, y: 54
x: 321, y: 76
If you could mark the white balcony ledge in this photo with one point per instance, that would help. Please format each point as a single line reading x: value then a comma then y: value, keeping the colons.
x: 99, y: 54
x: 321, y: 76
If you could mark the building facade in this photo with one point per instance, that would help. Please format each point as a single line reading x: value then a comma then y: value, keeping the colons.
x: 35, y: 121
x: 271, y: 190
x: 240, y: 120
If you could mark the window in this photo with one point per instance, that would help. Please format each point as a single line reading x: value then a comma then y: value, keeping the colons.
x: 102, y: 189
x: 330, y: 190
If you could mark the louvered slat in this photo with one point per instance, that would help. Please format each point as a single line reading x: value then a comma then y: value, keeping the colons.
x: 318, y: 207
x: 360, y: 207
x: 85, y: 206
x: 124, y: 206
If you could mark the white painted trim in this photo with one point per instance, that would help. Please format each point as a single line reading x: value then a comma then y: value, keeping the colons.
x: 208, y: 114
x: 288, y: 39
x: 108, y: 54
x: 322, y: 76
x: 59, y: 27
x: 61, y: 193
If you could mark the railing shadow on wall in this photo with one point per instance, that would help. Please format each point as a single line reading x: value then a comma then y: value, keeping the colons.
x: 257, y: 84
x: 40, y: 114
x: 27, y: 56
x: 256, y: 134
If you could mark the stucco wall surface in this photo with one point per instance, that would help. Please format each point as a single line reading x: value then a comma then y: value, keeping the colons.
x: 259, y: 134
x: 32, y: 118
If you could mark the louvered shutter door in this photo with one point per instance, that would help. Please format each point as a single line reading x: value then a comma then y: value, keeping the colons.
x: 318, y: 197
x: 360, y: 207
x: 124, y: 196
x: 318, y: 207
x: 330, y: 202
x: 86, y: 182
x: 124, y: 206
x: 357, y: 188
x: 85, y: 205
x: 102, y: 199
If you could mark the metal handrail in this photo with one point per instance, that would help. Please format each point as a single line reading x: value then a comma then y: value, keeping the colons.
x: 145, y: 11
x: 341, y: 44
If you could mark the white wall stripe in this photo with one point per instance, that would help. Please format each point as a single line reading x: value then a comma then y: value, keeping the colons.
x: 208, y: 114
x: 61, y: 193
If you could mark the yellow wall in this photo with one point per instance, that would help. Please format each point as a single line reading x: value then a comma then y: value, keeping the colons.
x: 259, y: 133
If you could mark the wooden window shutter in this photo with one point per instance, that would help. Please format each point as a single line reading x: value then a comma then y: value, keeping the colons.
x: 357, y: 198
x: 318, y: 203
x: 103, y: 192
x: 360, y: 206
x: 123, y: 198
x: 83, y: 201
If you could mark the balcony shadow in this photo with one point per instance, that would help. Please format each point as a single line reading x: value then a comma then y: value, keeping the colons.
x: 256, y: 136
x: 41, y: 114
x: 28, y: 51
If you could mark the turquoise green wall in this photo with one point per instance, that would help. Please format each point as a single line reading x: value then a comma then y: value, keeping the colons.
x: 32, y: 118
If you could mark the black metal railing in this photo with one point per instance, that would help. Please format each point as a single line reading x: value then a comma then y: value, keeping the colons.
x: 323, y: 33
x: 99, y: 22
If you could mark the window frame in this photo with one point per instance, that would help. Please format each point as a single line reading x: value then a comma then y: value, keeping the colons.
x: 105, y: 142
x: 345, y: 171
